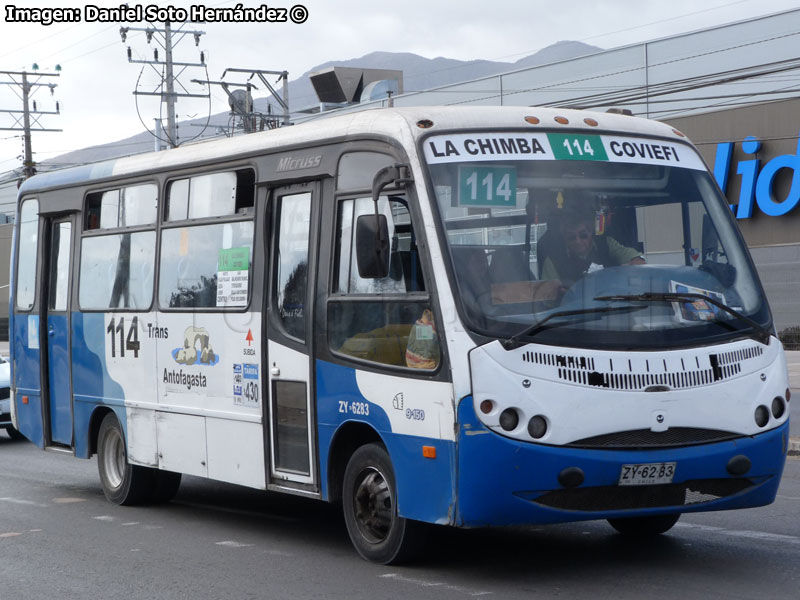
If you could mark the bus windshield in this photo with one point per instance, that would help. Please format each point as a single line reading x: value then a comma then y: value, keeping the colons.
x: 591, y: 240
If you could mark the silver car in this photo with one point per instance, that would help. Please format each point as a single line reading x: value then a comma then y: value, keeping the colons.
x: 5, y: 400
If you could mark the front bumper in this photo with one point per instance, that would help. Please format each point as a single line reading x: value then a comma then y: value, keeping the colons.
x: 502, y: 481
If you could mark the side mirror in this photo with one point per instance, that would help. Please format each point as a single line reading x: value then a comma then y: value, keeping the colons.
x: 372, y: 246
x: 372, y: 231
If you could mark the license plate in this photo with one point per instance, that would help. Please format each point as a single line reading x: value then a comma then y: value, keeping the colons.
x: 647, y: 474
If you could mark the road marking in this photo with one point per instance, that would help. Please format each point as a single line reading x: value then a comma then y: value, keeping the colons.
x: 754, y: 535
x: 439, y: 584
x: 232, y: 544
x: 68, y: 500
x: 130, y: 523
x: 25, y: 502
x: 9, y: 534
x: 789, y: 497
x: 105, y: 518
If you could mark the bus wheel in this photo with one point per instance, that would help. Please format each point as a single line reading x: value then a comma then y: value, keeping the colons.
x: 123, y: 483
x: 369, y: 501
x: 644, y: 526
x: 14, y: 434
x: 165, y: 486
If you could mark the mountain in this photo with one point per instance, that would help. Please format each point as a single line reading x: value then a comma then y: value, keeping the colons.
x: 419, y: 73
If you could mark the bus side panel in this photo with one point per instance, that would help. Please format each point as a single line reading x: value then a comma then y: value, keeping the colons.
x: 501, y: 478
x: 425, y: 486
x: 91, y: 383
x: 59, y: 397
x: 27, y: 377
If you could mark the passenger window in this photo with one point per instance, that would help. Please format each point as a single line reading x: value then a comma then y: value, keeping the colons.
x: 60, y: 266
x: 213, y: 195
x: 28, y: 228
x: 206, y: 266
x: 139, y: 204
x: 356, y: 169
x: 127, y: 207
x: 293, y: 226
x: 389, y: 320
x: 117, y: 271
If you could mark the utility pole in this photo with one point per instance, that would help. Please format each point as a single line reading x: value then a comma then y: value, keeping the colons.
x: 24, y: 118
x: 172, y: 126
x: 166, y: 38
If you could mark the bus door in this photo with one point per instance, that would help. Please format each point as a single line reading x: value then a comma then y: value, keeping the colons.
x: 56, y: 363
x: 288, y: 363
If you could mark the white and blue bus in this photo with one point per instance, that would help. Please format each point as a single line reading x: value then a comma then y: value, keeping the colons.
x: 462, y: 316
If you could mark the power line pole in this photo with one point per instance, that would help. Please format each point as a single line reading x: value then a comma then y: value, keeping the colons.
x: 166, y: 38
x: 172, y: 126
x: 23, y: 118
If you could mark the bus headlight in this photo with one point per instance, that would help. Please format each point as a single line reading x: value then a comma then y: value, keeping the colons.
x: 778, y: 407
x: 762, y: 415
x: 509, y: 419
x: 537, y: 426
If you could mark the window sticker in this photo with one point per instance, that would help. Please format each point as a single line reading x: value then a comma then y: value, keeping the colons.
x: 698, y: 310
x: 487, y: 187
x: 233, y: 273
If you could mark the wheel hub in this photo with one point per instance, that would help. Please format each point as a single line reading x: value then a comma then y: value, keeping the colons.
x: 373, y: 506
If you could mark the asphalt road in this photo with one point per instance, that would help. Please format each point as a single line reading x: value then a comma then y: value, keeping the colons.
x: 60, y: 538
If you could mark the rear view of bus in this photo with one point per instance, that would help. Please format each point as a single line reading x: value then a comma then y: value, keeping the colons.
x: 625, y: 363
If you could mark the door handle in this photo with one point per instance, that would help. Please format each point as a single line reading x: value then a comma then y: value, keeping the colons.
x: 275, y: 371
x: 51, y: 331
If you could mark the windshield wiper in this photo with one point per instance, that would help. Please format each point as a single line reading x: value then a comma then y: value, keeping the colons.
x: 759, y: 334
x: 532, y: 330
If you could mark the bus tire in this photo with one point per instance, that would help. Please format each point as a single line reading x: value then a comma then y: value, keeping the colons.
x: 644, y: 526
x: 123, y: 483
x: 14, y: 434
x: 165, y: 486
x: 369, y: 503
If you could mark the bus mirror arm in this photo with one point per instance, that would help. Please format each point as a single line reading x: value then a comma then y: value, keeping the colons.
x: 398, y: 174
x: 372, y: 231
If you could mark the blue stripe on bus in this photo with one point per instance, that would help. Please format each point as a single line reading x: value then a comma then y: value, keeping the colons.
x: 425, y: 487
x: 27, y: 378
x: 59, y: 397
x: 91, y: 383
x: 499, y: 478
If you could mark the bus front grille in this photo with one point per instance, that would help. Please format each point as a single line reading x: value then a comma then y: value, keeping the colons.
x: 613, y: 497
x: 644, y: 438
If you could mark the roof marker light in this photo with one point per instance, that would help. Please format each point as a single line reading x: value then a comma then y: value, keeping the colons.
x: 532, y: 120
x: 676, y: 132
x: 424, y: 123
x: 591, y: 122
x: 562, y: 120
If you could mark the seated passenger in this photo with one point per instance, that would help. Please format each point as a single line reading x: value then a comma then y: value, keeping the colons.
x: 581, y: 252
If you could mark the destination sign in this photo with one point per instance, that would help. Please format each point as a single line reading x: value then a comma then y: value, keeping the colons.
x: 470, y: 147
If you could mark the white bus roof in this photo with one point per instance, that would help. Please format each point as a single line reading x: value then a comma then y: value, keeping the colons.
x: 399, y: 123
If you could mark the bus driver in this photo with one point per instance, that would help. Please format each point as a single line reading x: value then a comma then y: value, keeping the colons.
x: 582, y: 252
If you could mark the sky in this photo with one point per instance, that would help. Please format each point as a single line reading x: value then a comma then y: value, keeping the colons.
x: 96, y: 81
